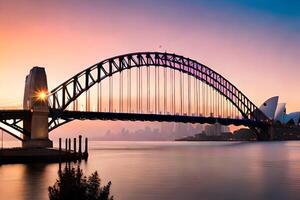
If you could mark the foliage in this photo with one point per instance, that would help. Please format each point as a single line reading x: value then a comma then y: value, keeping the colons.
x: 72, y: 184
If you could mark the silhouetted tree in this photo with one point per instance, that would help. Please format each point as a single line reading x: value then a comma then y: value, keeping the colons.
x: 72, y: 184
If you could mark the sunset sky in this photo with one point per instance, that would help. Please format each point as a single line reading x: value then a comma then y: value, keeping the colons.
x: 253, y: 43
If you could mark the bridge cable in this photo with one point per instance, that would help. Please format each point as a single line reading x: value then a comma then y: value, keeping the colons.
x: 231, y: 110
x: 209, y: 95
x: 199, y: 96
x: 213, y: 101
x: 110, y: 93
x: 196, y: 93
x: 77, y: 104
x: 141, y: 89
x: 174, y: 92
x: 218, y: 100
x: 220, y: 106
x: 155, y: 96
x: 207, y: 100
x: 98, y: 97
x: 210, y: 101
x: 172, y: 72
x: 225, y: 108
x: 194, y: 107
x: 148, y: 89
x: 121, y: 92
x: 171, y: 91
x: 212, y: 93
x: 100, y: 103
x: 204, y: 99
x: 189, y: 94
x: 222, y: 101
x: 158, y: 88
x: 87, y: 100
x: 181, y: 110
x: 165, y: 90
x: 219, y: 103
x: 129, y: 90
x: 137, y: 90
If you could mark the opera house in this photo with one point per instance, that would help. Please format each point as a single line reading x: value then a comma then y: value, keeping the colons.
x: 277, y: 112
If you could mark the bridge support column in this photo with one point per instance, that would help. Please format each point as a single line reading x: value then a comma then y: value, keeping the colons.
x: 36, y: 100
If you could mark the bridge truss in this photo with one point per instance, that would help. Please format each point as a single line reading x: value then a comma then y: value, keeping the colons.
x: 153, y: 83
x: 12, y: 122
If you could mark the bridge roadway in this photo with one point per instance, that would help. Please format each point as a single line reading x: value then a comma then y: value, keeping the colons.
x: 14, y: 114
x: 83, y: 115
x: 72, y: 115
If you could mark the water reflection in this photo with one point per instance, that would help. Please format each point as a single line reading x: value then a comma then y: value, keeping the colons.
x: 174, y: 170
x: 33, y: 178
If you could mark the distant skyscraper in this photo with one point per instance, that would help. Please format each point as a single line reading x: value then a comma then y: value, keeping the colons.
x: 215, y: 129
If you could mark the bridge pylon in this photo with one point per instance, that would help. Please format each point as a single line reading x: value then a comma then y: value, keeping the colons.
x: 36, y: 100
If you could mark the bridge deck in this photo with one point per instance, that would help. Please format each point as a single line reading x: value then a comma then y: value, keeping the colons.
x: 79, y: 115
x: 14, y: 114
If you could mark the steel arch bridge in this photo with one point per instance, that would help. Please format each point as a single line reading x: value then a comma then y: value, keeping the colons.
x: 208, y: 85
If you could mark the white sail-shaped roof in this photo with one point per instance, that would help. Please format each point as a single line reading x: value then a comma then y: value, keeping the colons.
x: 269, y: 107
x: 292, y: 117
x: 280, y: 112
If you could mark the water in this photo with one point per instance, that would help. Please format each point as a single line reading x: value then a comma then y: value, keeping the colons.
x: 174, y: 170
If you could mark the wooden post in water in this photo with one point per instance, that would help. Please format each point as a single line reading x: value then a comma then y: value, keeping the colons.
x: 59, y: 147
x: 79, y: 149
x: 66, y: 145
x: 74, y: 145
x: 86, y: 146
x: 69, y: 145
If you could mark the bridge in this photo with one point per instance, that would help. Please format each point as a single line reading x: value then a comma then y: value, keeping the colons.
x: 143, y: 86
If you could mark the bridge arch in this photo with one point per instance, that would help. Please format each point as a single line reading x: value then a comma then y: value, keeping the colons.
x: 60, y: 97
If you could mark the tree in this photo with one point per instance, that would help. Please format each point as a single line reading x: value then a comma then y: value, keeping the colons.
x: 72, y: 184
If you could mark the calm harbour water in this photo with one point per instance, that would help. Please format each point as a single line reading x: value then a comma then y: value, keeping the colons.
x: 174, y: 170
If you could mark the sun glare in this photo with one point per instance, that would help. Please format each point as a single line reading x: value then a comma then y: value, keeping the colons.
x: 41, y: 95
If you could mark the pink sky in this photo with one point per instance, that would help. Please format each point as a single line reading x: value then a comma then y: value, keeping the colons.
x: 255, y: 50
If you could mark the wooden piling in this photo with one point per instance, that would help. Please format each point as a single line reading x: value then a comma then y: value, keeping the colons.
x: 79, y: 149
x: 74, y: 145
x: 60, y: 154
x: 59, y: 147
x: 69, y: 145
x: 86, y: 146
x: 66, y: 145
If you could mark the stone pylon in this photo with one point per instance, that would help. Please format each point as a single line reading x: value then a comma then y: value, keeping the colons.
x: 36, y: 100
